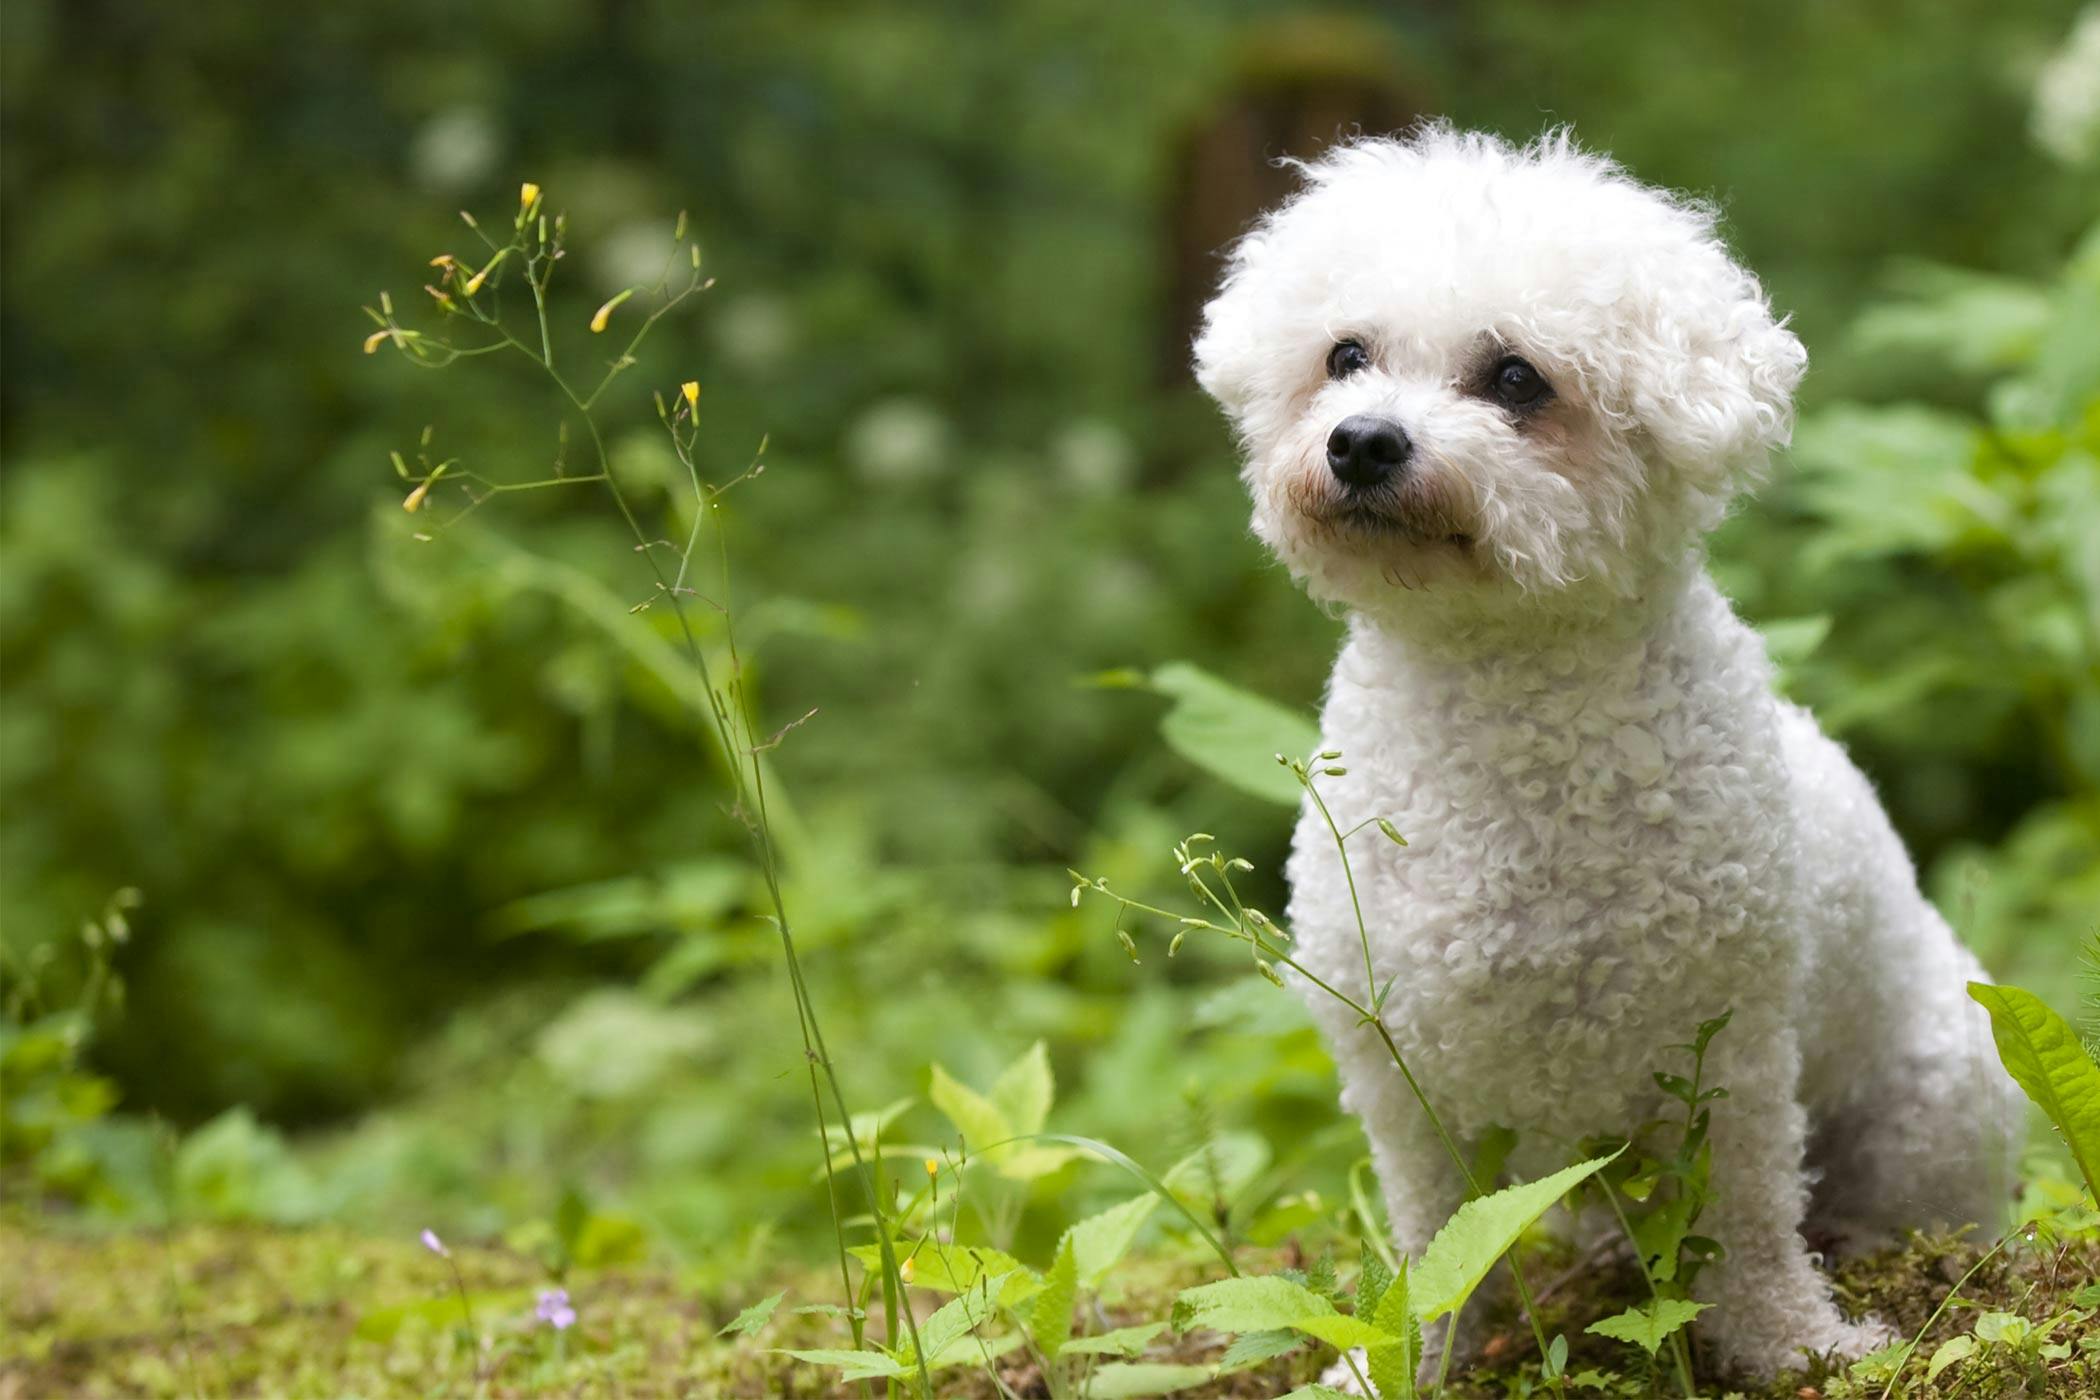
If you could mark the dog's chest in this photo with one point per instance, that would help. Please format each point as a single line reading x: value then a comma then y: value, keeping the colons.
x: 1592, y: 846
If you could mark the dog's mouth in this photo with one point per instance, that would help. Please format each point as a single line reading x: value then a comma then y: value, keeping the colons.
x: 1368, y: 522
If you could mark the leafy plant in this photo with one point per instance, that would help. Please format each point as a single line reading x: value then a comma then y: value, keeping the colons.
x: 2044, y: 1054
x: 50, y: 1005
x: 469, y: 295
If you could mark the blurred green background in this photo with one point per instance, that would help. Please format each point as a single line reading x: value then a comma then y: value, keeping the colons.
x: 442, y: 919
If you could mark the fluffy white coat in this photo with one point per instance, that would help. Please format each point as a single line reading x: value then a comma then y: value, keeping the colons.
x: 1616, y: 828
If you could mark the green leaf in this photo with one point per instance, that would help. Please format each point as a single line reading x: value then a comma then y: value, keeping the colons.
x: 1051, y: 1321
x: 1392, y: 1369
x: 1789, y: 641
x: 1659, y: 1234
x: 1123, y: 1341
x: 2003, y: 1328
x: 1648, y: 1327
x: 1556, y: 1360
x: 1317, y: 1392
x: 1882, y: 1365
x: 952, y: 1268
x: 1372, y: 1281
x: 2043, y: 1054
x: 956, y: 1318
x: 972, y: 1349
x: 1344, y: 1333
x: 1253, y: 1348
x: 753, y: 1317
x: 1233, y: 734
x: 1118, y: 1157
x: 856, y: 1365
x: 1100, y: 1240
x: 977, y: 1118
x: 1121, y: 1381
x: 1024, y: 1090
x: 1261, y: 1304
x: 1482, y: 1232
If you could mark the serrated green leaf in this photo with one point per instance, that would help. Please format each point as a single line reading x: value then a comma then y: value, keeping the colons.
x: 1128, y: 1381
x: 952, y: 1268
x: 1482, y: 1232
x: 1253, y: 1348
x: 1342, y: 1332
x: 2044, y: 1056
x: 1123, y: 1341
x: 1648, y: 1327
x: 1099, y: 1241
x: 1024, y: 1090
x: 856, y: 1365
x: 976, y: 1117
x: 753, y: 1317
x: 1658, y: 1235
x: 1050, y: 1322
x: 1392, y: 1368
x: 1233, y: 734
x: 973, y: 1349
x: 955, y: 1319
x: 1371, y: 1282
x: 1261, y: 1304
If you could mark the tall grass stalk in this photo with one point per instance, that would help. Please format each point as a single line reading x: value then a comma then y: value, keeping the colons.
x: 729, y: 713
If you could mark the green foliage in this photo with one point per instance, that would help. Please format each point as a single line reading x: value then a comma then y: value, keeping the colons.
x: 1230, y: 733
x: 1484, y: 1228
x: 1391, y: 1367
x: 1648, y: 1327
x: 436, y: 865
x: 51, y: 1102
x: 2044, y: 1054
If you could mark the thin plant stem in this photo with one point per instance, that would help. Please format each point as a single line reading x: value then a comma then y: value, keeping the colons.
x: 1678, y: 1356
x: 734, y: 730
x: 1952, y: 1294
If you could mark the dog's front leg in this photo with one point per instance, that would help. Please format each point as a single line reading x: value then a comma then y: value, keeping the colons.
x: 1421, y: 1185
x: 1772, y: 1304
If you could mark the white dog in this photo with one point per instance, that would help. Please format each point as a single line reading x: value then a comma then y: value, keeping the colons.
x: 1491, y: 399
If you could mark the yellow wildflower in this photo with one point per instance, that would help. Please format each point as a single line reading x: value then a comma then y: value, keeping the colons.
x: 599, y: 321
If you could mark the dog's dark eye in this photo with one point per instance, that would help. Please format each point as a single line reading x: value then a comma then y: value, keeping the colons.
x: 1346, y: 358
x: 1516, y: 383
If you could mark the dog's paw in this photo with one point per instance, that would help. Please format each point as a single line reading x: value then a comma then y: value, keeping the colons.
x: 1831, y: 1337
x: 1857, y: 1339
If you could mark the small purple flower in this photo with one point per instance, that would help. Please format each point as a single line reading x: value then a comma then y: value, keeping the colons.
x: 435, y: 1245
x: 555, y: 1309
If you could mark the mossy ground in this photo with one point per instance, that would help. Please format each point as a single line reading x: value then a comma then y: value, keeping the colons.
x: 253, y: 1312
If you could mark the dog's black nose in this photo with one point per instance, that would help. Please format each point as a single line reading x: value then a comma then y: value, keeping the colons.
x: 1364, y: 450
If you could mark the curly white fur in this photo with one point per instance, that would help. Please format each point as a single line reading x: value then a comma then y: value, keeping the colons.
x: 1616, y: 828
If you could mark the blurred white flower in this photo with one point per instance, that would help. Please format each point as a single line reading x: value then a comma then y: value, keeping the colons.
x: 455, y: 149
x: 1094, y: 456
x: 755, y: 331
x: 634, y: 254
x: 898, y: 441
x: 2066, y: 119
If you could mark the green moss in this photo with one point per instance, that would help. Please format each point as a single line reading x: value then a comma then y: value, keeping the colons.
x: 237, y: 1311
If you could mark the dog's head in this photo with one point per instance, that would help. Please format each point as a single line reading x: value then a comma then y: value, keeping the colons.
x: 1459, y: 366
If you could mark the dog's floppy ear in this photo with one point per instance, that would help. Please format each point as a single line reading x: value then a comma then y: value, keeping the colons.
x: 1716, y: 395
x: 1228, y: 352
